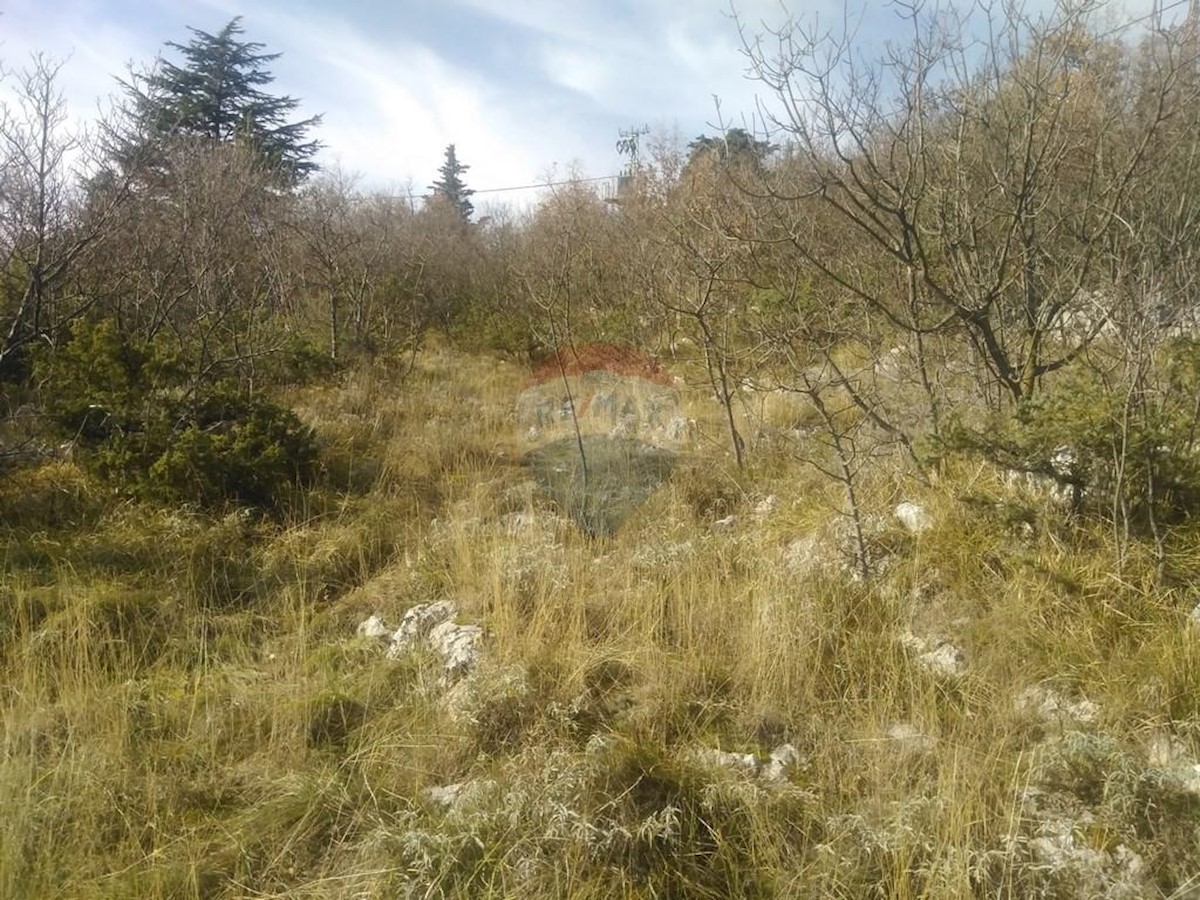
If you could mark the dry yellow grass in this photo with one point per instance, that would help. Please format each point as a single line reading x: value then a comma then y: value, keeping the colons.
x: 188, y: 712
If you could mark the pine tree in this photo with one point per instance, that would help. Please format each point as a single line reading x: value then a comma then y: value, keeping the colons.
x: 736, y: 145
x: 450, y: 188
x: 216, y: 94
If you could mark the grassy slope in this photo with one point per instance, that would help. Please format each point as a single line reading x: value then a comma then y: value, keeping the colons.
x: 186, y: 710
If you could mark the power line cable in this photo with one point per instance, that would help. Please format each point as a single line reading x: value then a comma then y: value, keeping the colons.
x: 543, y: 184
x: 519, y: 187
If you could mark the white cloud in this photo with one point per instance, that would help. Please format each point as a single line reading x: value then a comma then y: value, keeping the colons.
x: 580, y: 69
x: 544, y: 83
x: 391, y: 105
x: 389, y: 113
x: 572, y: 21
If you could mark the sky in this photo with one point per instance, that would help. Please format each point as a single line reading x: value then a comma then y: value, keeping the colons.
x: 527, y: 90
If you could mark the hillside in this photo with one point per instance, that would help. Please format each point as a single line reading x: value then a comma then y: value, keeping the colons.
x: 810, y: 510
x: 707, y: 703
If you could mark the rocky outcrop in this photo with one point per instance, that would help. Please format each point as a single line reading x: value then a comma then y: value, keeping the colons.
x: 772, y: 770
x: 936, y: 656
x: 1052, y: 707
x: 430, y: 625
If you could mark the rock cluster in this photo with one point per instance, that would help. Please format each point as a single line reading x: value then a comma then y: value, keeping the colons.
x: 431, y: 625
x: 772, y: 770
x: 938, y: 657
x: 1051, y: 706
x: 1171, y: 757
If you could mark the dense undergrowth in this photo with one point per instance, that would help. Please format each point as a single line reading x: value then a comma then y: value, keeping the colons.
x: 187, y: 711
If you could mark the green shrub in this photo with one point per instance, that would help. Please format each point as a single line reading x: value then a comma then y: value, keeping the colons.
x: 227, y: 447
x: 494, y: 328
x: 98, y: 382
x: 144, y: 427
x: 1116, y: 449
x: 298, y: 362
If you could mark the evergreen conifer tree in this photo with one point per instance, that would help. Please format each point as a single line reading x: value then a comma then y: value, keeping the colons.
x: 736, y: 145
x: 216, y: 93
x: 450, y: 188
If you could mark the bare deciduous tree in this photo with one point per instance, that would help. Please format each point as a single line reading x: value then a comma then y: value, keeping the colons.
x: 342, y: 249
x: 50, y: 223
x: 986, y: 174
x: 195, y: 259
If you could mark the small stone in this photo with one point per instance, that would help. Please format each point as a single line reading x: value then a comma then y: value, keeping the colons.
x: 1163, y: 751
x: 946, y: 659
x: 1189, y: 777
x: 722, y: 759
x: 1170, y: 755
x: 443, y: 795
x: 598, y: 744
x: 766, y: 506
x: 772, y: 771
x: 1052, y: 706
x: 1131, y: 865
x: 913, y: 517
x: 373, y: 627
x: 1095, y: 872
x: 937, y: 657
x: 908, y: 736
x: 1064, y: 461
x: 781, y: 759
x: 1059, y: 850
x: 910, y: 641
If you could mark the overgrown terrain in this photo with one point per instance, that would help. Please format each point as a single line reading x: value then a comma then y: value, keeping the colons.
x: 189, y: 710
x: 815, y: 516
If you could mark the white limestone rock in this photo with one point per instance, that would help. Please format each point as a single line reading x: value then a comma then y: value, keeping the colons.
x: 766, y: 506
x: 432, y: 625
x: 1037, y: 485
x: 1170, y: 756
x: 772, y: 771
x: 463, y: 798
x: 781, y: 760
x: 1064, y: 461
x: 908, y: 737
x: 1093, y: 872
x: 443, y: 795
x: 745, y: 763
x: 458, y: 645
x: 946, y: 660
x: 416, y: 625
x: 914, y: 517
x: 1048, y: 704
x: 597, y: 745
x: 938, y: 657
x: 372, y: 628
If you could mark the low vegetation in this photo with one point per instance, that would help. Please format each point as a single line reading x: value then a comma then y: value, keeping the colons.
x: 189, y: 710
x: 327, y: 573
